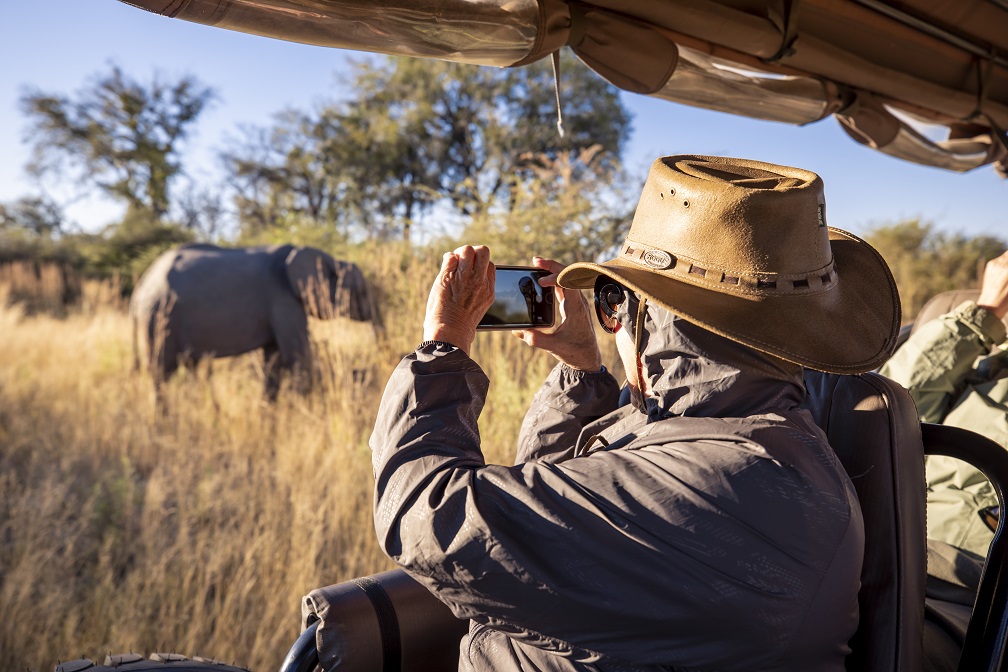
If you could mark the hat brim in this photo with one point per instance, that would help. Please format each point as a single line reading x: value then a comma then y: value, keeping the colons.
x: 851, y: 327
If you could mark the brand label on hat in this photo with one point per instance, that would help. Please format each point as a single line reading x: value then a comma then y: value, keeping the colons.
x: 822, y: 215
x: 657, y: 259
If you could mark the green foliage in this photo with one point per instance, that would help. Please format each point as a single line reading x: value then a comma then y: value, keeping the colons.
x: 18, y: 245
x: 419, y: 140
x: 125, y: 250
x: 575, y: 208
x: 35, y: 217
x: 295, y: 229
x: 289, y: 175
x: 121, y: 251
x: 925, y: 262
x: 119, y: 135
x: 41, y: 269
x: 418, y: 143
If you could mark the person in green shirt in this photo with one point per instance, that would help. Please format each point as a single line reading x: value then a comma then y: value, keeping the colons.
x: 956, y: 369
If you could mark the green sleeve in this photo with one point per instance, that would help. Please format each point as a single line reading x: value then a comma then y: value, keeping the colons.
x: 936, y: 358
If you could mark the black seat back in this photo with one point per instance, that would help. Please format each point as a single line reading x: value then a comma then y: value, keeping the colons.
x: 872, y: 425
x: 941, y: 303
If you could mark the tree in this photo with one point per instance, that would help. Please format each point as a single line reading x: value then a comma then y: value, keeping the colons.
x: 466, y: 133
x: 34, y: 229
x: 117, y: 134
x: 572, y: 209
x: 202, y: 212
x: 291, y: 175
x: 424, y: 136
x: 925, y: 262
x: 35, y: 216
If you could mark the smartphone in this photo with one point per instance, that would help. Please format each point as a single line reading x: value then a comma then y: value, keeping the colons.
x: 520, y: 302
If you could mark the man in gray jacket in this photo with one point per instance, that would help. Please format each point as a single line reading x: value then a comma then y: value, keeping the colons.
x: 708, y: 524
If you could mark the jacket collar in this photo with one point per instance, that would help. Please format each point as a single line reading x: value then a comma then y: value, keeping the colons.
x: 697, y: 373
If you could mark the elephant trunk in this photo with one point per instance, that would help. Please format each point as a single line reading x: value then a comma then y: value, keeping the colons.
x: 351, y: 296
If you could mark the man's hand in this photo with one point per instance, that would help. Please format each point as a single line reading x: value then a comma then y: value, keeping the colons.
x: 994, y: 290
x: 461, y: 295
x: 573, y: 341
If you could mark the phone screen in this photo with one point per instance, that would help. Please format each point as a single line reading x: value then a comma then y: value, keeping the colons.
x: 519, y: 301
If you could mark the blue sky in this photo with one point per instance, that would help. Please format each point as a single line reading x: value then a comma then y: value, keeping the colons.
x: 56, y: 45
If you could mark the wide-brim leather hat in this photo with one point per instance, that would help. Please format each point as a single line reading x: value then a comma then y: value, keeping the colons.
x: 742, y: 248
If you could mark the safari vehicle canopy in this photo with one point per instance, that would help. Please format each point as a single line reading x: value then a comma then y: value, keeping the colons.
x: 872, y: 64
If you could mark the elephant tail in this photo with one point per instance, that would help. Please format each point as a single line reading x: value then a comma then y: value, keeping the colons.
x: 135, y: 313
x: 136, y: 340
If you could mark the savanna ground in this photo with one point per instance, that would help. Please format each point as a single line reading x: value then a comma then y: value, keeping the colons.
x: 199, y: 529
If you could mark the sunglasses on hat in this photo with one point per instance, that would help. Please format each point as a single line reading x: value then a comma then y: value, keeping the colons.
x: 609, y: 296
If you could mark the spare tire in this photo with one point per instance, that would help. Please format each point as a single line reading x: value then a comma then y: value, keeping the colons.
x: 134, y: 662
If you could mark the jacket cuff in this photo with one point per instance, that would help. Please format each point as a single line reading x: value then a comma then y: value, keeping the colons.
x: 982, y: 322
x: 571, y: 372
x: 437, y: 346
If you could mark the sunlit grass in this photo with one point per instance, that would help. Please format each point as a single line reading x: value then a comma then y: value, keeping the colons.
x: 198, y: 529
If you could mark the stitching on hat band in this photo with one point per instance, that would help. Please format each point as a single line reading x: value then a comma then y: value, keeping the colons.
x: 727, y: 281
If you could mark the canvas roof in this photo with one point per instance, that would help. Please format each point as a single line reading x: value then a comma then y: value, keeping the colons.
x: 873, y: 64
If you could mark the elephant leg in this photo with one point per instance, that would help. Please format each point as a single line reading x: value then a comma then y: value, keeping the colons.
x: 271, y: 370
x: 191, y: 362
x: 162, y: 362
x: 290, y: 329
x: 207, y: 366
x: 300, y: 370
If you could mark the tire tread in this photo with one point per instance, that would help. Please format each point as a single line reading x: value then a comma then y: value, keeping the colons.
x: 158, y: 660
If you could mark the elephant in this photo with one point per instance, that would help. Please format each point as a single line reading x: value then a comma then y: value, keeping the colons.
x: 202, y: 300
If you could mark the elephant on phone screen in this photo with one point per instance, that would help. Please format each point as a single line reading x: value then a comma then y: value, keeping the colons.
x: 200, y: 301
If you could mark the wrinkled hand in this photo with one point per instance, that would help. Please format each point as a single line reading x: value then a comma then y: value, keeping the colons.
x: 994, y: 290
x: 573, y: 342
x: 461, y: 295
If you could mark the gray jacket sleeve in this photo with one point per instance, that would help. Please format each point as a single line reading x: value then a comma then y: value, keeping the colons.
x: 507, y: 546
x: 568, y: 400
x: 428, y: 416
x: 459, y: 526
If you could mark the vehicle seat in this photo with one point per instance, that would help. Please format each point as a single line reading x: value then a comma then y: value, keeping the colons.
x: 941, y: 303
x: 872, y: 424
x: 381, y: 623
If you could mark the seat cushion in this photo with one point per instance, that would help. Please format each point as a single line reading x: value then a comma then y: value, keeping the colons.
x: 383, y: 621
x: 941, y: 303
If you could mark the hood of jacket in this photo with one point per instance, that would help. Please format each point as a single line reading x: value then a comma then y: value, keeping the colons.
x: 693, y: 372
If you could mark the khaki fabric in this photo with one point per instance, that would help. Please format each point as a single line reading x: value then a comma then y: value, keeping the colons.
x: 779, y: 60
x: 709, y: 526
x: 958, y: 377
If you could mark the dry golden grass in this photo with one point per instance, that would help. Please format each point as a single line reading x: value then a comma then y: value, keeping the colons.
x: 197, y: 530
x: 39, y: 287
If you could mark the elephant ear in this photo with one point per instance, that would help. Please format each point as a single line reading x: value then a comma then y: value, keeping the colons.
x: 311, y: 273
